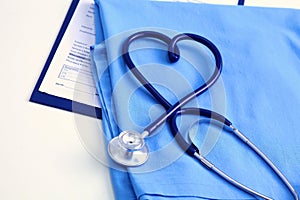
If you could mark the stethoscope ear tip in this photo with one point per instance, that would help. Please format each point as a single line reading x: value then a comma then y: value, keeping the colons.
x: 128, y: 149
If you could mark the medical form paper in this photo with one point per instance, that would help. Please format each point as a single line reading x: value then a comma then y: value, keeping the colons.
x: 68, y: 76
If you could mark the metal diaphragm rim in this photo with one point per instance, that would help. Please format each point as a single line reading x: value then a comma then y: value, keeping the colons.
x: 127, y: 157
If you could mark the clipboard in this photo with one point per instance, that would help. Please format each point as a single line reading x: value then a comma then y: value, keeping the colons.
x: 54, y: 101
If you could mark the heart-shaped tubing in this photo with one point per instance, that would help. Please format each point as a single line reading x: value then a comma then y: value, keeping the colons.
x: 174, y: 55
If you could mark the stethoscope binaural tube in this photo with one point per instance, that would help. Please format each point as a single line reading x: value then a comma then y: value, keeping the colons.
x: 193, y: 151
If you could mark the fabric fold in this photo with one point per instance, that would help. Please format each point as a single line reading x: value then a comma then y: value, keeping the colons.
x: 258, y: 91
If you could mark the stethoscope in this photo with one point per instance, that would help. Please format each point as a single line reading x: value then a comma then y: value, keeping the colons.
x: 129, y: 148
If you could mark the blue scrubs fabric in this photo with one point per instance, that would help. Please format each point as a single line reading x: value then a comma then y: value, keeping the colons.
x: 258, y: 91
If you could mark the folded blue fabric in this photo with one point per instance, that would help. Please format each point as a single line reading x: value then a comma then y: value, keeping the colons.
x: 258, y: 91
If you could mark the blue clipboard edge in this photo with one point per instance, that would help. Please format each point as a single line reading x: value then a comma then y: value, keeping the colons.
x: 54, y: 101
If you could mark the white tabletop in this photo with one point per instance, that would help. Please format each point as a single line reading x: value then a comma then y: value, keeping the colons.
x: 43, y: 152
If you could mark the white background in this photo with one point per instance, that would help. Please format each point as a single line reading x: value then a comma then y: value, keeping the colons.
x: 41, y: 153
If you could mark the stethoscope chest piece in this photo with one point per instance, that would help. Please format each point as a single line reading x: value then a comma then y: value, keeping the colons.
x: 128, y: 149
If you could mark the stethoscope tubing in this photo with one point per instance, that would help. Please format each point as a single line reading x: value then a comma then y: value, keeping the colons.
x: 173, y: 111
x: 174, y: 55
